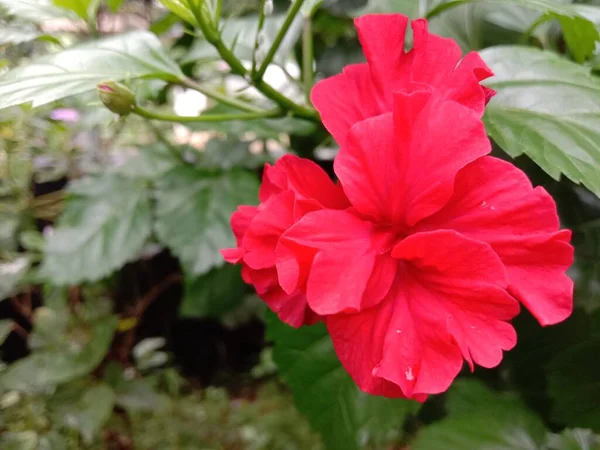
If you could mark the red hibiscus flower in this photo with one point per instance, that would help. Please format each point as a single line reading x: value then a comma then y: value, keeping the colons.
x: 365, y: 90
x: 418, y: 260
x: 290, y: 189
x: 428, y: 265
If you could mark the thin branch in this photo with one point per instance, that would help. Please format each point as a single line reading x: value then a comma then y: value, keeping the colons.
x: 289, y: 18
x: 221, y: 98
x: 207, y: 117
x: 307, y: 57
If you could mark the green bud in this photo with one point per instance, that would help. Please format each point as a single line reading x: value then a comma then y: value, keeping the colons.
x: 116, y: 97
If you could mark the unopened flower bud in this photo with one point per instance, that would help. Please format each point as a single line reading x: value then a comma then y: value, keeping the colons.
x: 268, y: 7
x: 116, y: 97
x: 260, y: 38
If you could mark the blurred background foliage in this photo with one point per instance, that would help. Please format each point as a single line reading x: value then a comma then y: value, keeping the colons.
x: 121, y: 328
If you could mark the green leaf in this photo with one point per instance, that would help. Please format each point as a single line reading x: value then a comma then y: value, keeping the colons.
x: 480, y: 419
x: 106, y: 222
x: 193, y: 210
x: 574, y: 439
x: 325, y: 393
x: 574, y: 385
x: 11, y: 274
x: 213, y: 294
x: 6, y: 326
x: 83, y: 8
x: 10, y: 34
x: 548, y: 108
x: 114, y: 5
x: 79, y: 69
x: 76, y: 356
x: 83, y: 408
x: 36, y: 11
x: 580, y: 33
x: 150, y: 163
x: 230, y: 153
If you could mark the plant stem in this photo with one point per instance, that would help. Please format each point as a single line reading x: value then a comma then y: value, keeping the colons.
x: 222, y: 98
x: 536, y: 23
x: 291, y: 15
x: 214, y: 38
x: 206, y: 118
x: 307, y: 57
x: 218, y: 8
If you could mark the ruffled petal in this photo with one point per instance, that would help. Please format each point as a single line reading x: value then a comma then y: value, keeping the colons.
x: 463, y: 83
x: 347, y: 270
x: 382, y: 40
x: 536, y: 268
x: 308, y: 182
x: 494, y: 202
x: 401, y: 168
x: 447, y: 303
x: 273, y: 218
x: 348, y: 98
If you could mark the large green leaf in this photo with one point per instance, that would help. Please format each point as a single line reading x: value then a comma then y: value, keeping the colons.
x: 36, y: 11
x: 79, y: 69
x: 150, y: 162
x: 193, y: 210
x: 105, y: 224
x: 580, y: 33
x: 325, y: 393
x: 480, y: 419
x: 549, y: 109
x: 76, y: 355
x: 213, y: 294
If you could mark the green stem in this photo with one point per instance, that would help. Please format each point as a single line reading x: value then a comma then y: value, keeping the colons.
x: 218, y: 9
x: 291, y: 15
x: 529, y: 31
x: 307, y: 57
x: 222, y: 98
x: 205, y: 118
x: 238, y: 68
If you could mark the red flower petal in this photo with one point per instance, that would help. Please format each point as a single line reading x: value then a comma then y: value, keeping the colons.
x: 494, y: 202
x: 447, y: 302
x: 273, y: 218
x: 402, y: 177
x: 348, y: 272
x: 382, y: 40
x: 366, y: 90
x: 348, y: 98
x: 536, y: 269
x: 305, y: 179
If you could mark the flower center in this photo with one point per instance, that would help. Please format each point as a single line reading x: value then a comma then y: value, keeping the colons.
x: 386, y: 238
